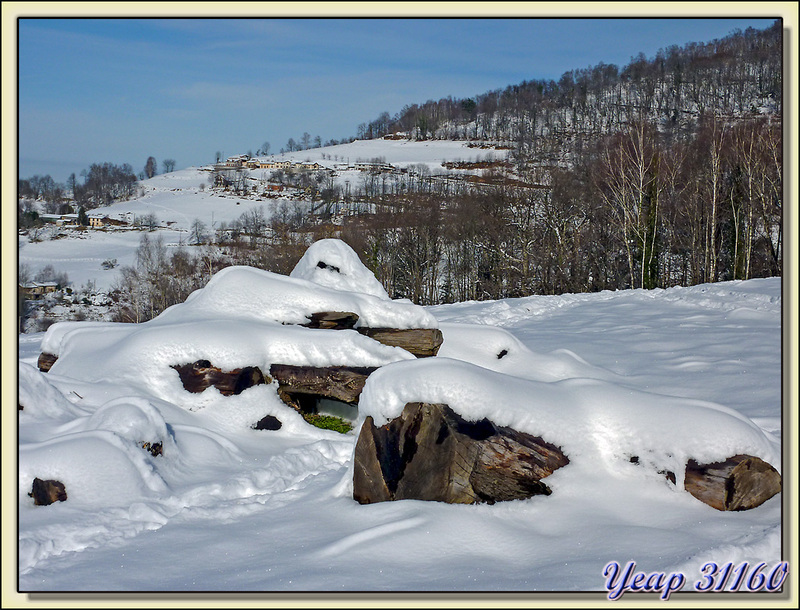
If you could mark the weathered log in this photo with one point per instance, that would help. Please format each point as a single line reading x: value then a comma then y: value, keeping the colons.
x: 199, y: 375
x: 422, y: 342
x: 46, y: 492
x: 334, y: 320
x: 741, y: 482
x: 432, y: 453
x: 342, y: 383
x: 46, y: 361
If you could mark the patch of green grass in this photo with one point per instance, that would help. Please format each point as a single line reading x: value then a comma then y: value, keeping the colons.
x: 328, y: 422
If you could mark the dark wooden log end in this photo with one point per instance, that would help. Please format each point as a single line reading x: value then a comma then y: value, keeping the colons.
x: 46, y: 492
x: 333, y: 320
x: 432, y: 453
x: 369, y: 482
x: 741, y: 482
x: 270, y: 422
x: 342, y: 383
x: 199, y: 375
x: 324, y: 265
x: 46, y: 361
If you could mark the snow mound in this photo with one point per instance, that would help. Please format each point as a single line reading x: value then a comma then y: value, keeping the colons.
x: 143, y: 355
x: 334, y: 264
x: 597, y: 424
x: 246, y: 293
x: 104, y: 332
x: 242, y: 317
x: 40, y: 399
x: 498, y: 350
x: 97, y: 468
x: 133, y: 419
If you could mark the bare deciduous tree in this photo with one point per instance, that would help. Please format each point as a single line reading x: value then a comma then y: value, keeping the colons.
x: 151, y: 167
x: 198, y: 231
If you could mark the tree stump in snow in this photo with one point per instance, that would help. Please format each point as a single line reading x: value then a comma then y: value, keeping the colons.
x: 422, y: 342
x: 343, y: 383
x: 47, y: 492
x: 46, y: 361
x: 334, y: 320
x: 741, y: 482
x: 199, y: 375
x: 432, y: 453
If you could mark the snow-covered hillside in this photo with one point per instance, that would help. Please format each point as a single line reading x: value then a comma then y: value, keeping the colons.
x: 663, y: 374
x: 180, y: 198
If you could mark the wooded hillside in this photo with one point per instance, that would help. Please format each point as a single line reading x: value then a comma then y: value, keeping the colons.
x: 665, y: 172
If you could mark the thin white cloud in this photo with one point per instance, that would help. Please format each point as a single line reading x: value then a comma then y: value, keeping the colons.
x: 234, y: 94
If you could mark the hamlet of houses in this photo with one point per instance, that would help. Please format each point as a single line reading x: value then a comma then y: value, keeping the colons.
x: 247, y: 162
x: 95, y: 221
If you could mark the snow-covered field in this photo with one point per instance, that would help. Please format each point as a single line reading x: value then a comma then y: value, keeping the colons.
x: 400, y: 153
x: 662, y: 374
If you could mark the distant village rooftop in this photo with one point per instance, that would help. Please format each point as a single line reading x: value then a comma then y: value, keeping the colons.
x: 37, y: 288
x: 247, y: 162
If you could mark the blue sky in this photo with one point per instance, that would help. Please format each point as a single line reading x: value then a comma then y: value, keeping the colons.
x: 120, y: 90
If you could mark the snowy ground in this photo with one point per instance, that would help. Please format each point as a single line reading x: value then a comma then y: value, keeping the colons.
x: 81, y: 254
x: 176, y: 199
x: 664, y: 374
